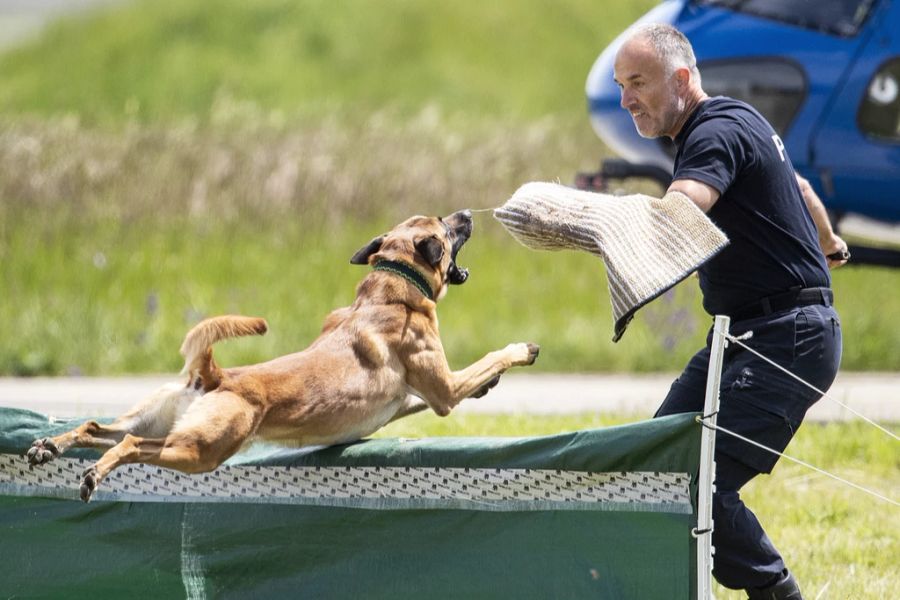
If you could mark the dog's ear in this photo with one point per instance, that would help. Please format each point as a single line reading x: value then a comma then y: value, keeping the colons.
x: 362, y: 255
x: 431, y: 249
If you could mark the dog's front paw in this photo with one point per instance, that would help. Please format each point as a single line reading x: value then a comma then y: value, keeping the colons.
x: 524, y: 354
x: 42, y: 451
x: 89, y: 481
x: 533, y: 351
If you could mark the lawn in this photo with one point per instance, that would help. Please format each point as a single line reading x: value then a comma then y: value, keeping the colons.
x: 113, y: 245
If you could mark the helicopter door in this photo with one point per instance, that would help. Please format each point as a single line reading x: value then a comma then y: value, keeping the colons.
x: 856, y: 149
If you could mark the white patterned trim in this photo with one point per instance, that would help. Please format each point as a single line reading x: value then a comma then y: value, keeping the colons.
x: 409, y: 486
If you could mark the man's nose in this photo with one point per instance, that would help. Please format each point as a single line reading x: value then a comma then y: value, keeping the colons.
x: 625, y: 99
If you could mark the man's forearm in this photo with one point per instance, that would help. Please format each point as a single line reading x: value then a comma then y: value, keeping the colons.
x: 829, y: 241
x: 816, y: 210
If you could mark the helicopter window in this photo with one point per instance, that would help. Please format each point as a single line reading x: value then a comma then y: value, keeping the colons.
x: 838, y: 17
x: 773, y: 86
x: 879, y: 113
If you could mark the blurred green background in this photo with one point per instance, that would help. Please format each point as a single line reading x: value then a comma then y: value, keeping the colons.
x: 162, y: 161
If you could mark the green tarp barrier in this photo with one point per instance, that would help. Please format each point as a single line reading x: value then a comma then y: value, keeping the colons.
x: 603, y: 513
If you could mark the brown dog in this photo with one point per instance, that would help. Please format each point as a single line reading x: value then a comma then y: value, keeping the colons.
x: 375, y: 361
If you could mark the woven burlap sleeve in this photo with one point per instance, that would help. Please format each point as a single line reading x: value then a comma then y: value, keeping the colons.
x: 647, y: 244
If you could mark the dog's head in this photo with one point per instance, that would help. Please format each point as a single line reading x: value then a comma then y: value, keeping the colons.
x: 428, y: 244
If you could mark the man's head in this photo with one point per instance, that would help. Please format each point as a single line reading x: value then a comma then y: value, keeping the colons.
x: 657, y: 74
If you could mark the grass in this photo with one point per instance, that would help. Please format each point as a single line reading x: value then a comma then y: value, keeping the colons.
x: 168, y: 160
x: 206, y: 62
x: 113, y: 244
x: 108, y: 298
x: 841, y: 543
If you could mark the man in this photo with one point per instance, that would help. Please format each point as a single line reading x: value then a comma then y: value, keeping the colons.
x: 772, y: 279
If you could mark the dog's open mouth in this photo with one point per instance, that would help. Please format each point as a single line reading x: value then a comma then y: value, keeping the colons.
x: 460, y: 227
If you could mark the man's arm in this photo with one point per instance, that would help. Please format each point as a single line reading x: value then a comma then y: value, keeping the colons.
x: 829, y: 241
x: 702, y: 194
x: 705, y: 196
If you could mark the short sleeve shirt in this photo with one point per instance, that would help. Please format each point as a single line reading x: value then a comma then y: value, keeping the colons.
x: 773, y: 241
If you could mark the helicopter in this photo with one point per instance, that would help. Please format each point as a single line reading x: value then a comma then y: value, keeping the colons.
x: 824, y: 73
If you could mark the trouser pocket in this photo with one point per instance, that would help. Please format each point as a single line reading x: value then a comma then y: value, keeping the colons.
x: 753, y: 422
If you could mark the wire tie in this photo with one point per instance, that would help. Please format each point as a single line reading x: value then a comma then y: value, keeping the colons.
x: 703, y: 423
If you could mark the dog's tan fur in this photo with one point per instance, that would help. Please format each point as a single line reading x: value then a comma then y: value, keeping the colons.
x: 375, y: 361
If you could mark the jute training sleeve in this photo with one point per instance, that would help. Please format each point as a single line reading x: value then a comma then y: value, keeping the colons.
x: 647, y: 244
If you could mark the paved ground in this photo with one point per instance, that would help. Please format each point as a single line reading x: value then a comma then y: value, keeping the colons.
x: 875, y: 395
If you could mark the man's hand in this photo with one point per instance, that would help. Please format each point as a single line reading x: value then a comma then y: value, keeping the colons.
x: 835, y: 249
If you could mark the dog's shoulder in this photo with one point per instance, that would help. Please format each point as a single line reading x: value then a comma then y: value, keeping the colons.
x: 335, y: 318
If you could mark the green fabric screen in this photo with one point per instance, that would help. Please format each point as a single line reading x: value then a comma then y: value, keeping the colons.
x: 590, y: 514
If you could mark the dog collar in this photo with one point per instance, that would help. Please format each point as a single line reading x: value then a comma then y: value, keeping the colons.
x: 408, y: 273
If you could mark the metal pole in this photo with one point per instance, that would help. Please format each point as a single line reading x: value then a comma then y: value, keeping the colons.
x: 706, y: 476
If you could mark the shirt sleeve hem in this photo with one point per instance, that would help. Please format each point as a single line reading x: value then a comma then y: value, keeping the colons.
x: 702, y: 177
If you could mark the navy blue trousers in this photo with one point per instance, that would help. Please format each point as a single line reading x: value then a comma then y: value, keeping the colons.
x: 766, y: 405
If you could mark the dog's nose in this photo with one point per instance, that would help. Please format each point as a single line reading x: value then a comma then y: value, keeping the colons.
x: 464, y: 215
x: 461, y: 221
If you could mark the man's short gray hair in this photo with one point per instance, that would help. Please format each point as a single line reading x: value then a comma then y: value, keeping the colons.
x: 672, y: 47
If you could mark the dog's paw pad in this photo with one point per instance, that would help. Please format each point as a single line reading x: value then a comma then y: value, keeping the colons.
x: 42, y: 451
x: 88, y: 484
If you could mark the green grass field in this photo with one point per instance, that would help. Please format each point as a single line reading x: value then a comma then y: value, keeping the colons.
x: 168, y: 160
x: 113, y: 244
x: 212, y: 62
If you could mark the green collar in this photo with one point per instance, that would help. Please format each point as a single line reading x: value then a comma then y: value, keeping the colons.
x: 408, y: 273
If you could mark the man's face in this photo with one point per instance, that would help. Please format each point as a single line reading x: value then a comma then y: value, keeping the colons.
x: 647, y: 93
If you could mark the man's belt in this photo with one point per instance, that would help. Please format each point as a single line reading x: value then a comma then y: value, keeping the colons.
x: 793, y: 298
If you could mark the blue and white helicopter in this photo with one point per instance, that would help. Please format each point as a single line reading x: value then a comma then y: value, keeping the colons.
x: 825, y: 73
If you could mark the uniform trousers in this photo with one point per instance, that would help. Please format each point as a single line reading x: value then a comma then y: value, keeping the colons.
x: 766, y: 405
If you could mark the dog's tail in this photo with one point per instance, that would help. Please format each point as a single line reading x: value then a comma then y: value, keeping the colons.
x: 197, y: 346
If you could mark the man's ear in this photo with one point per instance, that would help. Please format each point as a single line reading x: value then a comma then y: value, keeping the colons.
x: 431, y: 249
x: 362, y: 255
x: 682, y: 76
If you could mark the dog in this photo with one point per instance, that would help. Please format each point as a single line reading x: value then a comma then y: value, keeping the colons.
x: 375, y: 361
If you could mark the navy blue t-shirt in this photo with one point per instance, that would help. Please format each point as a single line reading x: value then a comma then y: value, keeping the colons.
x: 774, y: 244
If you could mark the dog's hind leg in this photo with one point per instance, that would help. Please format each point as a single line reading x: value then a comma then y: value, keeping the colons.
x: 213, y: 429
x: 152, y: 417
x: 130, y: 450
x: 87, y: 435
